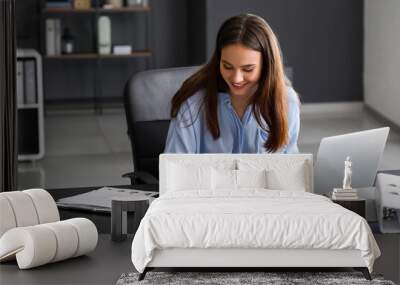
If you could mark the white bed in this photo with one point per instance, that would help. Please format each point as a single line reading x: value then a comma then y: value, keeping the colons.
x: 247, y: 210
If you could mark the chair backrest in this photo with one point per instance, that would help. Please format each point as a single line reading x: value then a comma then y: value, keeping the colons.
x: 147, y: 102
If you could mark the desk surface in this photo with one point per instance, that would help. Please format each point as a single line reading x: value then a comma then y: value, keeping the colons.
x: 102, y: 266
x: 100, y: 219
x: 66, y: 192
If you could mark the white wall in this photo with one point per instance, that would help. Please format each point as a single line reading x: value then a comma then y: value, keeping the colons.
x: 382, y: 57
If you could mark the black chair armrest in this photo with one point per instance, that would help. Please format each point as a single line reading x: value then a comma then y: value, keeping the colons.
x: 130, y: 176
x: 141, y: 177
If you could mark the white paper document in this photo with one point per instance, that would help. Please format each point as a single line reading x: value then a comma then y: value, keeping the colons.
x: 100, y: 199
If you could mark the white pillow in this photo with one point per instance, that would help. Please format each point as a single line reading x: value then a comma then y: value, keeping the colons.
x: 182, y: 177
x: 282, y: 174
x: 223, y: 179
x: 292, y: 179
x: 236, y: 179
x: 251, y: 178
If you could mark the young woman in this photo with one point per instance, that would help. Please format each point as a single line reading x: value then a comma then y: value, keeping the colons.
x: 240, y: 101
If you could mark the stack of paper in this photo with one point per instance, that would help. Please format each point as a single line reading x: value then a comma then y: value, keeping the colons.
x: 101, y: 199
x: 344, y: 194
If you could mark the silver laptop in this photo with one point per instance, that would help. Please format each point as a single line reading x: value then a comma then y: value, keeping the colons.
x: 365, y: 150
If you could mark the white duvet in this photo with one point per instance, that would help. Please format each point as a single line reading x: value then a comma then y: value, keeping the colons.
x: 252, y: 218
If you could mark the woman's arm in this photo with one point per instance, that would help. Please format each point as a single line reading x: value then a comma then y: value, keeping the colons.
x: 183, y: 132
x: 294, y: 121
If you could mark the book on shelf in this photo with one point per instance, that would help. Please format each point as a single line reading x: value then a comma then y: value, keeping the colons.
x: 57, y: 33
x: 122, y: 49
x: 133, y: 3
x: 53, y: 36
x: 58, y: 4
x: 50, y: 37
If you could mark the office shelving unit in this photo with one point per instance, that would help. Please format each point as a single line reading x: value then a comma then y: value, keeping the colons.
x: 30, y: 115
x: 92, y: 57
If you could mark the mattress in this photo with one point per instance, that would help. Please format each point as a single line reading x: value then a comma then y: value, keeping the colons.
x: 252, y: 219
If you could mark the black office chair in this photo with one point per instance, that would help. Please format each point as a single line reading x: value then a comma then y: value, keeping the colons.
x: 147, y: 101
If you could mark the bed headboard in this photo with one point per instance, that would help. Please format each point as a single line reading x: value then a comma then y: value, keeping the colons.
x: 277, y: 162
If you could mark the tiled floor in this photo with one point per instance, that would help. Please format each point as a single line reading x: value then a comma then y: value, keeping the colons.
x: 82, y: 149
x: 86, y: 149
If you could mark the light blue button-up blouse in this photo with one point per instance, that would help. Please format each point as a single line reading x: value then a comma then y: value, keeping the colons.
x: 188, y: 132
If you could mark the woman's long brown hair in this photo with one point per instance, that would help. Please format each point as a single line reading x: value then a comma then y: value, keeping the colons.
x: 269, y: 101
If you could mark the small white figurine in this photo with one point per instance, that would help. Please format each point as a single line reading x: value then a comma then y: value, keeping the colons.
x: 347, y: 174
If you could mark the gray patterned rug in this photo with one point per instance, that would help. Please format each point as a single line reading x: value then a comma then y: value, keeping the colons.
x: 229, y: 278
